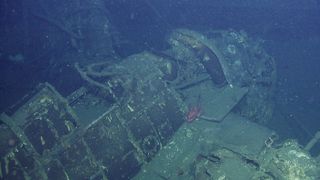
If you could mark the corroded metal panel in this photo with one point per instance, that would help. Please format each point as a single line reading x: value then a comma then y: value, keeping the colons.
x: 33, y: 134
x: 55, y: 170
x: 44, y: 119
x: 109, y: 144
x: 134, y: 131
x: 207, y: 57
x: 131, y: 131
x: 78, y: 161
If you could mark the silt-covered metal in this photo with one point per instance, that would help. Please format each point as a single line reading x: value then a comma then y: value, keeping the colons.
x: 113, y: 145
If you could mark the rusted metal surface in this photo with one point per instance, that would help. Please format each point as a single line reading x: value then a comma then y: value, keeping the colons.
x: 206, y: 55
x: 48, y: 140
